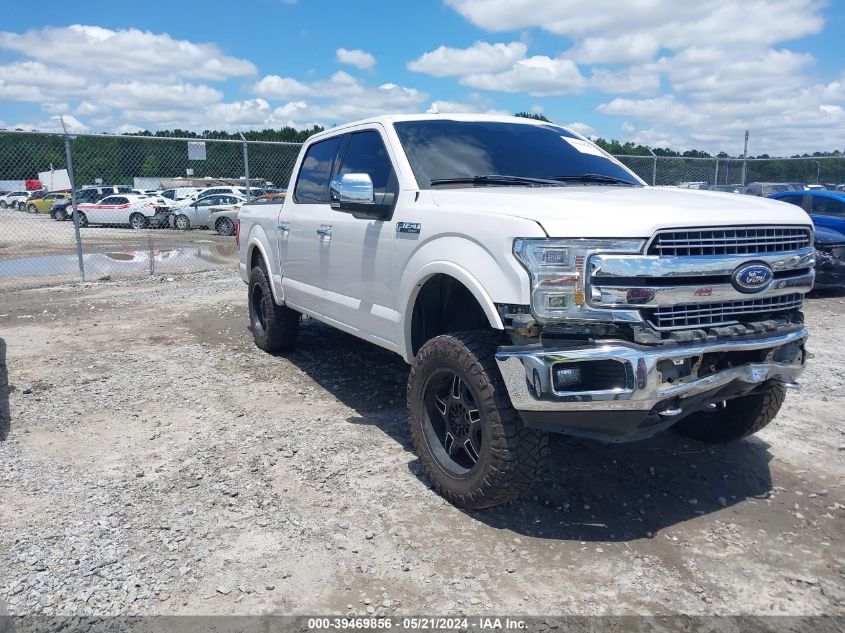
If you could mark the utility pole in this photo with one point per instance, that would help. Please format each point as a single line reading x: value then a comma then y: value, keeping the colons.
x: 745, y: 160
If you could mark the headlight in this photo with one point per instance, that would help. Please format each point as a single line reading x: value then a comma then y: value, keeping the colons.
x: 558, y: 274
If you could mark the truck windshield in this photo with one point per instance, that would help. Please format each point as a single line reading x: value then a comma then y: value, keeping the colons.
x: 467, y: 153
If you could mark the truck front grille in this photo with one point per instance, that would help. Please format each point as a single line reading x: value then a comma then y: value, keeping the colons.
x: 714, y: 314
x: 730, y: 241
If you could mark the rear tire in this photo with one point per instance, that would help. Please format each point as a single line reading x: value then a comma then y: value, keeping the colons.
x: 61, y: 215
x: 31, y: 208
x: 3, y: 204
x: 83, y: 219
x: 469, y: 439
x: 138, y: 221
x: 275, y: 328
x: 739, y: 418
x: 225, y: 226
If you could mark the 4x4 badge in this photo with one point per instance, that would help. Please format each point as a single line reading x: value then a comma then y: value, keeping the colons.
x: 408, y: 227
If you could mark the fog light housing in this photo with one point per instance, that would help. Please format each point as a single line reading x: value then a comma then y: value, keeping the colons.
x: 566, y: 376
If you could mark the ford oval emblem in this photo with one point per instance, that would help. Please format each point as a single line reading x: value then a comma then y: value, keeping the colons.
x: 751, y: 278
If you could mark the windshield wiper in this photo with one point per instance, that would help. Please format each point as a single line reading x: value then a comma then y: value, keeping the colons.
x: 593, y: 178
x: 494, y: 179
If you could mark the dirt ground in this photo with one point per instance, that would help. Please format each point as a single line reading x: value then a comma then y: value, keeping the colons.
x: 152, y: 460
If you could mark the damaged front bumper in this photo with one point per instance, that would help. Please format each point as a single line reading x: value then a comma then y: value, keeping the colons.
x: 619, y: 391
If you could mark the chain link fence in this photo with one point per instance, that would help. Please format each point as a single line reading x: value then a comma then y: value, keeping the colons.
x: 139, y: 212
x: 737, y: 175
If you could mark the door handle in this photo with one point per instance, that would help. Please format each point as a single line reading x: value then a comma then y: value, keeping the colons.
x: 325, y: 232
x: 284, y: 227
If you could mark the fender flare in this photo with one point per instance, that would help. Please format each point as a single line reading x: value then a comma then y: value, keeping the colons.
x: 255, y: 242
x: 459, y: 274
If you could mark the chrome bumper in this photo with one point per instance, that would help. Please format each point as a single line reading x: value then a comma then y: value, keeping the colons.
x: 645, y: 389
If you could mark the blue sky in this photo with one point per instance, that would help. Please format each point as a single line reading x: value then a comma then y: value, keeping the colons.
x: 664, y: 73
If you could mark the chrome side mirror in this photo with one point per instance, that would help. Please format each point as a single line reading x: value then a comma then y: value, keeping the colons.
x: 351, y: 190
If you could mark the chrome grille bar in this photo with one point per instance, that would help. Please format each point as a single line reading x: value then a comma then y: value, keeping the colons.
x: 714, y: 314
x: 730, y: 241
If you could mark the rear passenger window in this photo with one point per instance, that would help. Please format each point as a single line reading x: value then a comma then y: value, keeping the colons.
x: 366, y: 154
x: 312, y: 185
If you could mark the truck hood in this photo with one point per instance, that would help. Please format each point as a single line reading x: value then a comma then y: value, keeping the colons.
x: 599, y: 211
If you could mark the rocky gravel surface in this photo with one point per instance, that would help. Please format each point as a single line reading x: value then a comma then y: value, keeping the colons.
x: 153, y: 461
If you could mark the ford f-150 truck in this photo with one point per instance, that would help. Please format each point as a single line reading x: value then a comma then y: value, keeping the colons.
x: 535, y: 285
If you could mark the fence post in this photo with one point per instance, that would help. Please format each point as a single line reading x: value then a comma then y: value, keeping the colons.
x: 716, y: 175
x: 745, y: 160
x: 75, y: 215
x: 246, y: 164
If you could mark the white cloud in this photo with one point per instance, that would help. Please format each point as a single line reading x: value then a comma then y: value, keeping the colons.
x: 356, y: 57
x: 122, y: 53
x: 670, y: 23
x: 54, y: 124
x: 633, y: 79
x: 481, y: 57
x: 537, y: 76
x: 276, y: 87
x: 636, y: 47
x: 706, y: 70
x: 55, y: 107
x: 582, y: 128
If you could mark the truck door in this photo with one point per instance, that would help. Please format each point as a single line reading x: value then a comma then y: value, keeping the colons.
x: 361, y: 248
x: 338, y: 265
x: 304, y: 261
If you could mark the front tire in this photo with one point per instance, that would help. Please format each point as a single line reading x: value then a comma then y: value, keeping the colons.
x: 739, y: 417
x: 182, y: 222
x: 61, y: 215
x: 31, y: 208
x: 470, y: 440
x: 82, y: 218
x: 3, y: 205
x: 275, y: 328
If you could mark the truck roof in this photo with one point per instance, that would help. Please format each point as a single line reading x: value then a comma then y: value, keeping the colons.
x: 387, y: 119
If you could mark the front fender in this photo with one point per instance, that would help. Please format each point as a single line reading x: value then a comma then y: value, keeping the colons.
x: 411, y: 287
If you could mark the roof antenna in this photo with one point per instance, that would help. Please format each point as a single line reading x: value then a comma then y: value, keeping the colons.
x: 433, y: 109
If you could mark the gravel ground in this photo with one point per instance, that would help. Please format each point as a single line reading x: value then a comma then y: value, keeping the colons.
x: 152, y: 460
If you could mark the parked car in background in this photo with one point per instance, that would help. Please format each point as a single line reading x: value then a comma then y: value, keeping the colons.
x: 15, y: 200
x: 139, y: 212
x: 830, y: 259
x: 44, y: 203
x: 223, y: 219
x: 728, y: 188
x: 61, y: 208
x: 767, y: 188
x: 826, y: 208
x: 269, y: 198
x: 237, y: 191
x: 179, y: 193
x: 197, y: 213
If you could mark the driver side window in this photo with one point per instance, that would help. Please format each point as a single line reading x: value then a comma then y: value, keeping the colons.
x: 366, y: 154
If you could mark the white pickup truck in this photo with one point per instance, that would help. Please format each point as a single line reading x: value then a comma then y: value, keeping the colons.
x: 535, y: 285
